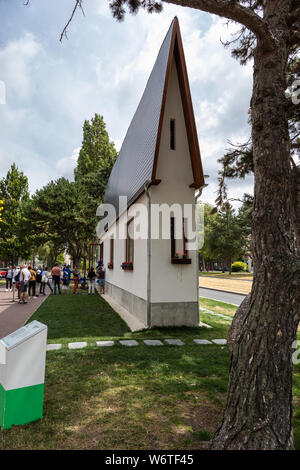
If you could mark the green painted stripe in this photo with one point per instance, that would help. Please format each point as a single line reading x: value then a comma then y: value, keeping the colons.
x: 21, y: 405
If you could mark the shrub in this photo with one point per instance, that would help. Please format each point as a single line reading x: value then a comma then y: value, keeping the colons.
x: 239, y: 266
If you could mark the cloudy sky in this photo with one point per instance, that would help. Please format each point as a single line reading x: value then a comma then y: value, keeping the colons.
x: 103, y: 67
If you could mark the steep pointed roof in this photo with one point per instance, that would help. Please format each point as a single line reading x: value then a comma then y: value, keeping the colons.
x: 137, y: 160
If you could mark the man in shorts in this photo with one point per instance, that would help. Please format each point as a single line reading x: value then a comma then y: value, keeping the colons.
x: 101, y: 278
x: 24, y: 283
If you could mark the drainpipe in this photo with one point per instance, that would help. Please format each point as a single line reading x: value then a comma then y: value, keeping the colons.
x: 197, y: 195
x: 146, y: 186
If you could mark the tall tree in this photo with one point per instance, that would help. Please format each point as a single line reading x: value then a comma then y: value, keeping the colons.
x: 97, y: 151
x: 96, y: 158
x: 259, y: 412
x: 15, y: 241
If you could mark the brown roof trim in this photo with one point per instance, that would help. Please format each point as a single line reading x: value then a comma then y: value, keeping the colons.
x: 176, y: 51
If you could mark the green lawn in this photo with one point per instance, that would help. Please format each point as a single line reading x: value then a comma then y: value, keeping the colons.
x: 222, y: 308
x: 166, y: 397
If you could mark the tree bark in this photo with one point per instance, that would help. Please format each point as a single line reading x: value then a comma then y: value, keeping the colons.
x: 259, y: 404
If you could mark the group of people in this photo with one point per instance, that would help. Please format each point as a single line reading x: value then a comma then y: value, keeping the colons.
x: 30, y: 282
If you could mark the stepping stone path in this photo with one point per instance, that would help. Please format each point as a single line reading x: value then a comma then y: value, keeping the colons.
x: 219, y: 341
x: 129, y: 343
x: 202, y: 341
x: 81, y: 345
x: 53, y: 347
x: 175, y: 342
x: 153, y: 342
x: 133, y: 342
x: 103, y: 344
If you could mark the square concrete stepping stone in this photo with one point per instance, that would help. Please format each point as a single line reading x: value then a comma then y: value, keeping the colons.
x: 205, y: 325
x: 175, y: 342
x: 129, y: 342
x: 202, y: 341
x: 219, y: 341
x: 103, y: 344
x: 53, y: 347
x: 80, y: 345
x: 153, y: 342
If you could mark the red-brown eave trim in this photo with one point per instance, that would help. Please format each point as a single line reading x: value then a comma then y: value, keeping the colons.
x: 176, y: 51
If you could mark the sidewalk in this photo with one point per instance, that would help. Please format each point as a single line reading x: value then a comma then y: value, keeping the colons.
x: 14, y: 315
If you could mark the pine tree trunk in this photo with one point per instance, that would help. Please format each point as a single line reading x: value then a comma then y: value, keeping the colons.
x: 259, y: 404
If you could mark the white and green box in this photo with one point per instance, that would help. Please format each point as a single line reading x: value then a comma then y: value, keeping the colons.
x: 22, y: 375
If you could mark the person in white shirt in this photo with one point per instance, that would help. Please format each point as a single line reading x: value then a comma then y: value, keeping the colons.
x: 9, y: 276
x: 24, y: 282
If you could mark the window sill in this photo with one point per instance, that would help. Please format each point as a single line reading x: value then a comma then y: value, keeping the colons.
x: 181, y: 261
x: 127, y: 267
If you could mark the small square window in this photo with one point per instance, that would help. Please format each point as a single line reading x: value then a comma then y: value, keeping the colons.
x: 172, y: 134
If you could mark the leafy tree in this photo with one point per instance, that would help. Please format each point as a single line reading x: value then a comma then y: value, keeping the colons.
x: 97, y: 151
x: 96, y: 158
x: 49, y: 253
x: 57, y: 215
x: 224, y: 235
x: 15, y: 241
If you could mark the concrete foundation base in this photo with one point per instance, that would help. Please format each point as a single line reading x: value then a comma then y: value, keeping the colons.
x: 162, y: 313
x: 135, y: 305
x: 174, y: 314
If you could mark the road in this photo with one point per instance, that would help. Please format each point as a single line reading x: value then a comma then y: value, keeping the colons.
x: 234, y: 299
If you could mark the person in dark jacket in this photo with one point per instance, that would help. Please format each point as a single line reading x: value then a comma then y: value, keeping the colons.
x: 91, y: 277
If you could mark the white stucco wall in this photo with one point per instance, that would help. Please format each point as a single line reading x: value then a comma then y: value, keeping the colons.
x: 134, y: 281
x: 170, y: 282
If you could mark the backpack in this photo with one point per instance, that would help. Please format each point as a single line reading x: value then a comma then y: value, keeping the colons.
x: 17, y: 277
x: 38, y: 277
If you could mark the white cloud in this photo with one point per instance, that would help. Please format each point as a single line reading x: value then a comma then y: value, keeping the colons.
x: 17, y: 66
x: 65, y: 166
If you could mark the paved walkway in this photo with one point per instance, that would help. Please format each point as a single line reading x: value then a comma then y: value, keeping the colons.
x: 14, y: 315
x: 221, y: 296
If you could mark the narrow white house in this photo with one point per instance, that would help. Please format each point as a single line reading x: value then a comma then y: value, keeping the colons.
x: 148, y: 244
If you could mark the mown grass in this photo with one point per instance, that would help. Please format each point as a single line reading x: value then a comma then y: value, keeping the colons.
x: 222, y: 308
x: 127, y: 398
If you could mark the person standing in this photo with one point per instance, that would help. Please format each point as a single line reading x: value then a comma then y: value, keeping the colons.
x: 67, y: 274
x: 24, y: 283
x: 91, y: 277
x: 9, y: 278
x: 38, y: 279
x: 56, y: 273
x: 101, y: 278
x: 76, y: 274
x: 46, y: 281
x: 32, y: 283
x: 16, y: 280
